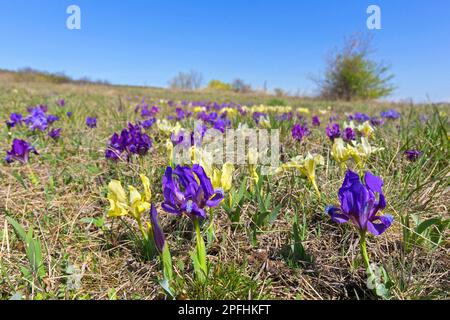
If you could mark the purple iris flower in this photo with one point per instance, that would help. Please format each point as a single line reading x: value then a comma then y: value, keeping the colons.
x: 286, y: 116
x: 37, y: 118
x: 359, y: 117
x: 221, y: 124
x: 349, y: 134
x: 55, y: 134
x: 180, y: 114
x: 20, y: 151
x: 412, y: 155
x: 14, y: 119
x: 115, y: 148
x: 91, y: 122
x: 61, y: 102
x: 177, y: 138
x: 158, y: 235
x: 390, y: 114
x: 257, y: 116
x: 423, y: 118
x: 131, y: 141
x: 52, y: 118
x: 315, y: 121
x: 202, y: 116
x: 69, y: 114
x: 299, y: 132
x: 359, y: 203
x: 333, y: 131
x: 188, y: 191
x: 212, y: 117
x: 43, y: 108
x: 376, y: 122
x: 146, y: 112
x: 147, y: 124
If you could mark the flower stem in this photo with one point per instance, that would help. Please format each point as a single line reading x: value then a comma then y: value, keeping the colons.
x: 200, y: 253
x: 33, y: 177
x: 315, y: 187
x: 364, y: 254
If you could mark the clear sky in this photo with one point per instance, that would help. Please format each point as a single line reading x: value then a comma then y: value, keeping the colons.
x: 281, y: 42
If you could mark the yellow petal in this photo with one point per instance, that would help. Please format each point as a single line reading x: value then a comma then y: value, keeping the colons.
x: 116, y: 192
x: 147, y: 191
x: 227, y: 176
x: 135, y: 196
x: 215, y: 179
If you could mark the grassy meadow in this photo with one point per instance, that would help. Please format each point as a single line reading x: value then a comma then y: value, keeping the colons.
x: 275, y: 242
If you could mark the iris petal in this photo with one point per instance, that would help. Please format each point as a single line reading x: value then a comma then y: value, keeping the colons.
x: 378, y: 228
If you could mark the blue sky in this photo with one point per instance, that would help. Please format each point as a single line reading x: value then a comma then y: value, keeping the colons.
x: 281, y: 42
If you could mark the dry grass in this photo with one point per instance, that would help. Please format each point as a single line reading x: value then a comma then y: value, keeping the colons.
x: 73, y: 175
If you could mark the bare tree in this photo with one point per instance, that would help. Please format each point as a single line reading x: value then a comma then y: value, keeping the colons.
x: 239, y: 85
x: 191, y: 80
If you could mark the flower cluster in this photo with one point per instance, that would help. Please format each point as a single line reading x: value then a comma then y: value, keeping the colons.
x: 299, y: 132
x: 189, y: 191
x: 20, y: 151
x: 130, y: 141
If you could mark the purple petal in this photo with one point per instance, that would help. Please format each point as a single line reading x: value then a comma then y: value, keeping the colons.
x: 374, y: 183
x: 378, y: 228
x: 336, y: 215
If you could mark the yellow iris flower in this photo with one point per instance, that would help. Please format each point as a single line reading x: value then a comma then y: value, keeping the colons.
x: 340, y: 152
x: 361, y: 152
x: 135, y: 205
x: 306, y: 166
x: 223, y: 178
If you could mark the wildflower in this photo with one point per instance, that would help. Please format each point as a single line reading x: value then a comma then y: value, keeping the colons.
x: 189, y: 191
x: 131, y: 140
x: 155, y: 229
x: 147, y: 124
x: 37, y: 118
x: 339, y: 152
x: 61, y: 102
x: 359, y: 117
x: 359, y: 203
x: 253, y: 158
x: 14, y: 119
x: 20, y: 151
x: 55, y: 134
x: 221, y: 124
x: 390, y: 114
x: 117, y: 199
x: 167, y: 128
x: 299, y: 132
x: 306, y: 166
x: 412, y: 155
x: 52, y: 118
x: 135, y: 205
x: 349, y: 134
x: 303, y: 110
x: 69, y: 114
x: 333, y: 131
x: 366, y: 129
x: 361, y: 152
x: 223, y: 178
x: 315, y: 121
x: 91, y: 122
x: 376, y: 122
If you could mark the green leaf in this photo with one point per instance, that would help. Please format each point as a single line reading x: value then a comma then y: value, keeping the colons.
x: 18, y: 228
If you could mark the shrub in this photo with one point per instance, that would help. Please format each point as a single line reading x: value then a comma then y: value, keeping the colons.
x: 219, y: 85
x: 351, y: 74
